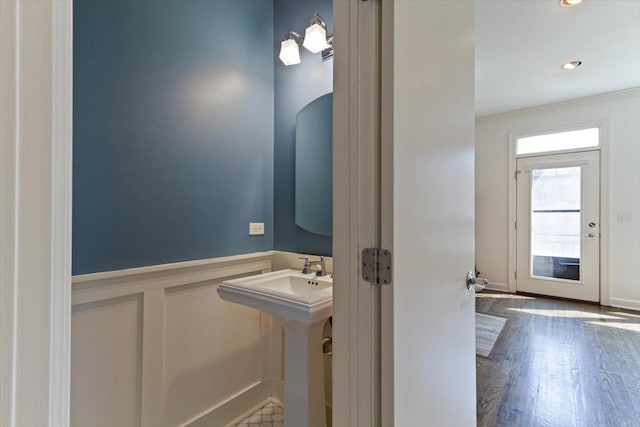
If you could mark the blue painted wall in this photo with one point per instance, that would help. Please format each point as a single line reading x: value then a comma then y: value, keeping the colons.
x: 295, y: 86
x: 173, y: 130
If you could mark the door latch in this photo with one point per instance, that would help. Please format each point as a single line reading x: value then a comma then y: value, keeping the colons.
x: 476, y: 283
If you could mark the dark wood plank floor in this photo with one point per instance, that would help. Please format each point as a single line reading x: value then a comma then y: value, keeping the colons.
x: 559, y: 363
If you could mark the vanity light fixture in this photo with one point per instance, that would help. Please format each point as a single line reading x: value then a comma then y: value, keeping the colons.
x: 570, y: 2
x: 289, y: 49
x: 571, y: 65
x: 315, y: 36
x: 315, y: 40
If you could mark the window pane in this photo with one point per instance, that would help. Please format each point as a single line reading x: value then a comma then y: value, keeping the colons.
x: 555, y: 223
x: 558, y: 141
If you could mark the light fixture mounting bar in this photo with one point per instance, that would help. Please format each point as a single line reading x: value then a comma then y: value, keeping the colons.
x: 317, y: 19
x: 293, y: 35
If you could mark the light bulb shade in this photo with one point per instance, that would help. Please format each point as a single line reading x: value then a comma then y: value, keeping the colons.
x: 289, y: 52
x: 315, y: 38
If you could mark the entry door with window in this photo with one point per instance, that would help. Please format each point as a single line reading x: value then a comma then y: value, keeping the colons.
x: 558, y: 225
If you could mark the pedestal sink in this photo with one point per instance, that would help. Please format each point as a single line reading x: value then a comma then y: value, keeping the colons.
x: 303, y: 302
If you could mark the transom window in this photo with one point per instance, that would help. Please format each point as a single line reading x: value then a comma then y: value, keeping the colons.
x: 558, y: 141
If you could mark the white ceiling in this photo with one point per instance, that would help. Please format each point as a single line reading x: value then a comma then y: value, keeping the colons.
x: 521, y: 45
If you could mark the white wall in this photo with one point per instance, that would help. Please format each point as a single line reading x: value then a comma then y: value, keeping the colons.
x: 619, y: 113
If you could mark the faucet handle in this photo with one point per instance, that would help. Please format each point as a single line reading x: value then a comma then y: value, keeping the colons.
x: 307, y: 264
x: 322, y: 268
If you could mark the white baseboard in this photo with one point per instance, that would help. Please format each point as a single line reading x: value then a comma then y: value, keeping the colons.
x: 234, y: 408
x: 501, y: 287
x: 629, y: 304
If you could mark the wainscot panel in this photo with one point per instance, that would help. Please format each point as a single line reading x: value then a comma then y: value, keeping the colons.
x: 106, y: 356
x: 156, y: 346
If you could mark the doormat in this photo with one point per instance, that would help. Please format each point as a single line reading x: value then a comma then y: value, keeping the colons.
x: 488, y: 330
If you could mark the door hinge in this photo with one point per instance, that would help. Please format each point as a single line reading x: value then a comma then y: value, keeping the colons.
x: 376, y: 266
x: 515, y: 225
x: 515, y: 275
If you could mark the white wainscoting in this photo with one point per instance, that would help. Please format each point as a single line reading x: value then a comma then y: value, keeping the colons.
x: 107, y: 362
x: 156, y: 346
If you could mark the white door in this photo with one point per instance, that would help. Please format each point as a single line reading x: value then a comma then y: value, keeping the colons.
x: 433, y: 214
x: 558, y: 225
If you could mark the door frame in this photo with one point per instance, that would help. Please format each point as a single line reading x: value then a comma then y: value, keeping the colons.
x: 605, y: 224
x: 355, y: 398
x: 36, y: 178
x: 36, y: 381
x: 356, y: 223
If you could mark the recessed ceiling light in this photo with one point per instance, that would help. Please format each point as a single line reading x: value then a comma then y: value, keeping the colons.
x: 572, y: 65
x: 570, y: 2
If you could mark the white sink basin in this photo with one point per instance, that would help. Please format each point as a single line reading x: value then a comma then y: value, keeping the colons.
x: 303, y: 302
x: 285, y: 294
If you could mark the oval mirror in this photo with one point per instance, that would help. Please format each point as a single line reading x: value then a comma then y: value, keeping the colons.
x: 314, y: 186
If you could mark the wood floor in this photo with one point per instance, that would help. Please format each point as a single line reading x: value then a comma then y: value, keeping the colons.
x: 559, y: 363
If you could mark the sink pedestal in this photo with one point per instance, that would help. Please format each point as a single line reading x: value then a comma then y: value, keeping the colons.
x: 303, y: 375
x: 303, y: 302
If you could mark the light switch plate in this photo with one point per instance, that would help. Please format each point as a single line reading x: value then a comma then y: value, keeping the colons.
x: 256, y: 228
x: 625, y: 217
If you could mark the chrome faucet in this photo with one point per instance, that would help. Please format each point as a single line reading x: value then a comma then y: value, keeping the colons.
x: 322, y: 271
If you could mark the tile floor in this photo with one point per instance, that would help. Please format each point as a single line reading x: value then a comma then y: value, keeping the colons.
x: 270, y: 415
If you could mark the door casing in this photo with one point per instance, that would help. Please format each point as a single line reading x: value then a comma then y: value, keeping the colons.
x: 356, y: 218
x: 35, y: 214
